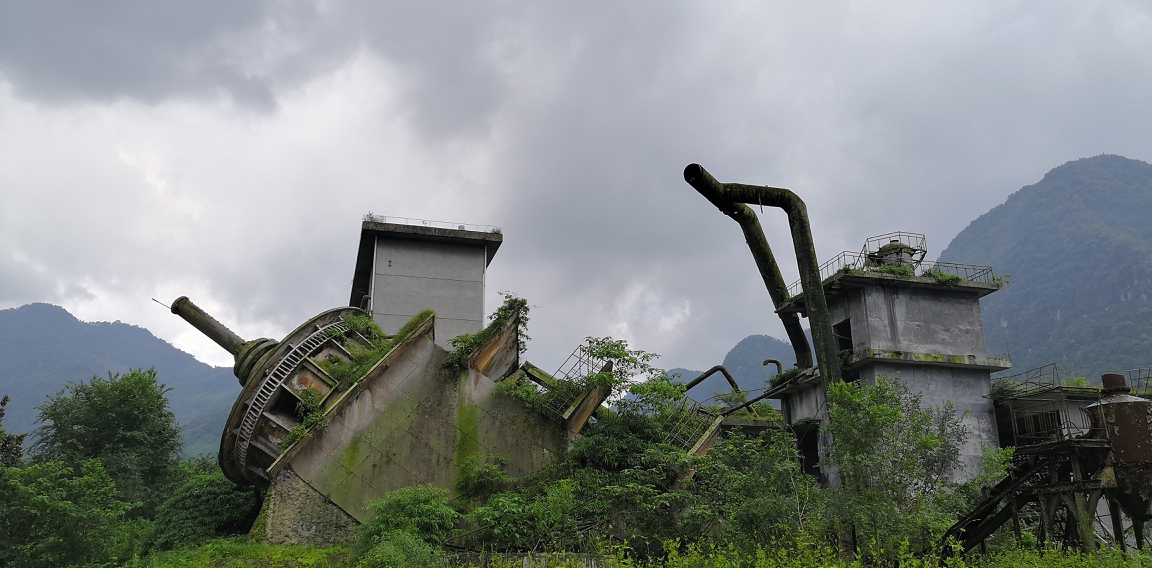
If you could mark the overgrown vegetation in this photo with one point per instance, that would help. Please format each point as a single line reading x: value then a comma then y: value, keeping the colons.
x: 123, y: 421
x: 363, y: 357
x: 944, y: 277
x: 311, y: 415
x: 406, y: 528
x: 466, y: 344
x: 622, y: 485
x: 896, y: 269
x: 103, y: 483
x: 11, y: 445
x: 785, y: 376
x: 205, y: 506
x: 1004, y: 388
x: 892, y: 459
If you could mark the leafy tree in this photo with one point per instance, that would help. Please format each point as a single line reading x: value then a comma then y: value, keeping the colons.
x: 11, y: 445
x: 753, y: 491
x: 53, y: 515
x: 892, y: 459
x: 124, y: 421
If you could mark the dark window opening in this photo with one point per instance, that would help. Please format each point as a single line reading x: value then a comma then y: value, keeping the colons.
x: 843, y: 334
x: 808, y: 443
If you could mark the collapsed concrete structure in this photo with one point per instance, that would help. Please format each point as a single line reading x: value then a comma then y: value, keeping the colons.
x: 329, y: 418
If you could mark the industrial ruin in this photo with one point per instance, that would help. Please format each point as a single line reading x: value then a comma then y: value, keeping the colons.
x: 332, y: 416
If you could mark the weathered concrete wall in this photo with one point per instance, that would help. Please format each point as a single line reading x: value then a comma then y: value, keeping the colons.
x: 904, y: 318
x: 413, y: 275
x: 805, y: 404
x: 296, y: 513
x: 416, y: 423
x: 925, y: 320
x: 966, y: 388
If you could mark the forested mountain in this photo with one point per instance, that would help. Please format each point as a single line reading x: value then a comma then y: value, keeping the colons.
x: 1078, y: 247
x: 42, y: 347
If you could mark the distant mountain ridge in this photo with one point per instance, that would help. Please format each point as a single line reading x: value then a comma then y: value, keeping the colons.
x: 745, y: 362
x: 43, y: 347
x: 1078, y: 247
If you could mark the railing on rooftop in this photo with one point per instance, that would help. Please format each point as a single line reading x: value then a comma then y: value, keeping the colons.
x: 914, y: 241
x: 1038, y: 402
x: 858, y: 261
x: 373, y: 218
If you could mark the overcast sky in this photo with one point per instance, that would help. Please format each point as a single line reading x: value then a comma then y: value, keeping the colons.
x: 227, y: 150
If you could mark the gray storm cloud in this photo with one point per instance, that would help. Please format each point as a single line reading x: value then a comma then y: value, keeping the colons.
x: 226, y: 151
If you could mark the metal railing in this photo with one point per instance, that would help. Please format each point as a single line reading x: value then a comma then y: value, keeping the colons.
x: 373, y: 218
x: 915, y: 241
x: 685, y: 428
x: 858, y: 261
x: 1140, y: 381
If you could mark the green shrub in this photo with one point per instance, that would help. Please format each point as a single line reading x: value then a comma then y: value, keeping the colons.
x: 205, y: 506
x: 396, y: 549
x: 896, y: 270
x: 54, y: 515
x: 944, y: 277
x: 422, y: 513
x: 347, y: 371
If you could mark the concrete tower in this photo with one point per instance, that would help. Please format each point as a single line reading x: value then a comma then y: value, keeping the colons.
x: 894, y: 315
x: 405, y: 265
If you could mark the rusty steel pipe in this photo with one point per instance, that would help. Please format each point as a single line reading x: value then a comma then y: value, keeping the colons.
x: 730, y: 199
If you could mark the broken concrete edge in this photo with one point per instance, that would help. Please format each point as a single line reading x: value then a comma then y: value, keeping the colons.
x: 345, y: 398
x: 482, y: 358
x: 547, y: 381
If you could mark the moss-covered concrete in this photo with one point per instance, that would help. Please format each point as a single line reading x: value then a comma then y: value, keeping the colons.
x: 415, y: 422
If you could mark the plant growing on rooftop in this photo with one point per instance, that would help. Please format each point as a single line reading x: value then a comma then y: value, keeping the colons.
x: 1004, y: 388
x: 896, y: 269
x: 363, y: 357
x: 944, y: 277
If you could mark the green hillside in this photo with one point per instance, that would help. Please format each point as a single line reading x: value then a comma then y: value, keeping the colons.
x: 42, y: 347
x: 1078, y: 247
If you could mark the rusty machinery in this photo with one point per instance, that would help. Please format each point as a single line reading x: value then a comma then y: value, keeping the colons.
x: 1054, y: 486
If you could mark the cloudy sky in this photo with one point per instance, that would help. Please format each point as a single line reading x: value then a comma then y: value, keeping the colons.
x: 227, y: 150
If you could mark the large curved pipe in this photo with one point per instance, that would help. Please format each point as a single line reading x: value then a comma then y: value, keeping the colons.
x: 761, y: 253
x: 729, y: 197
x: 709, y: 373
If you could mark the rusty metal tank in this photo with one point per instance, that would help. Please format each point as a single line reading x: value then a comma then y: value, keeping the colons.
x: 1126, y: 422
x: 274, y: 375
